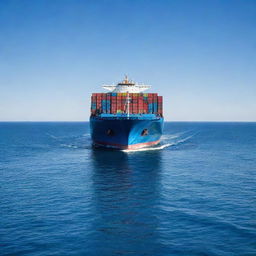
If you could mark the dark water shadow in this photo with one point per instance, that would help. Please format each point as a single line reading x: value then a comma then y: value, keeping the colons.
x: 126, y: 194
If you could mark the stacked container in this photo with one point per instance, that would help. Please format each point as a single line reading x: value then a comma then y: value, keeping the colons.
x: 117, y: 103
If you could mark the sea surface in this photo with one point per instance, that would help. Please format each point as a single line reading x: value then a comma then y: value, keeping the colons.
x: 195, y: 194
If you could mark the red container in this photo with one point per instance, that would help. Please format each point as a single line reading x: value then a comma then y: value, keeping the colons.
x: 138, y: 103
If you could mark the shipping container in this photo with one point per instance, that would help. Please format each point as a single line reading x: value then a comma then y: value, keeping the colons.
x: 139, y: 103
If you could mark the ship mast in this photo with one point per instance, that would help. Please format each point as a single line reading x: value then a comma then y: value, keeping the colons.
x: 128, y: 105
x: 127, y: 82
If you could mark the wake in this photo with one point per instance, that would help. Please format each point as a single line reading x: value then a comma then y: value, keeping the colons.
x: 147, y: 149
x: 162, y: 146
x: 84, y: 142
x: 81, y: 141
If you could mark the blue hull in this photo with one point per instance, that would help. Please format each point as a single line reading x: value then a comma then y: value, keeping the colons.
x: 123, y: 133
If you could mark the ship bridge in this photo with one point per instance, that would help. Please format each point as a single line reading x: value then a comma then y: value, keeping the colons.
x: 127, y: 86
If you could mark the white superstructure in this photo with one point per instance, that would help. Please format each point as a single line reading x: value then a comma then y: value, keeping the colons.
x: 126, y: 86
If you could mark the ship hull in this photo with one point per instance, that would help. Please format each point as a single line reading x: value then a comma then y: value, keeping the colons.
x: 124, y: 133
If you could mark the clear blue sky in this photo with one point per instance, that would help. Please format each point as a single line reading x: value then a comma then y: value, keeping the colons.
x: 201, y: 55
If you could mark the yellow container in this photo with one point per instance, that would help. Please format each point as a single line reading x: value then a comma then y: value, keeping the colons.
x: 145, y: 95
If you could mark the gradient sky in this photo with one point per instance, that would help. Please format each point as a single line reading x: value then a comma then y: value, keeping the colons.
x: 200, y: 55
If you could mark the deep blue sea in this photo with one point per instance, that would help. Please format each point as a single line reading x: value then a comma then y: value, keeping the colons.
x: 195, y: 194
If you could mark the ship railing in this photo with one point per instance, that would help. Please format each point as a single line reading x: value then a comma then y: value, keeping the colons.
x: 131, y: 116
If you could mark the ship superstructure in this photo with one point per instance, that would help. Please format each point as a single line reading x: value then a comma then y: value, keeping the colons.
x: 127, y: 86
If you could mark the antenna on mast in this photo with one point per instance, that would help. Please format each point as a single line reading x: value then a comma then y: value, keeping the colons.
x: 126, y: 78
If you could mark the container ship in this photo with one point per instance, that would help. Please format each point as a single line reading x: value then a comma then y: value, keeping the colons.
x: 126, y: 118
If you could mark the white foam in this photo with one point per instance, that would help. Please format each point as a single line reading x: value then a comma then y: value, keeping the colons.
x: 183, y: 140
x: 147, y: 148
x: 69, y: 146
x: 170, y: 136
x: 52, y: 136
x: 174, y: 136
x: 159, y: 147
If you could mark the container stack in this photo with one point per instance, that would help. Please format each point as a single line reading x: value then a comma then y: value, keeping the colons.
x: 118, y: 103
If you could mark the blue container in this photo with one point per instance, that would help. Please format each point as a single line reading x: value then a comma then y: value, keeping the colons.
x: 108, y: 106
x: 150, y: 108
x: 103, y: 106
x: 93, y: 106
x: 155, y: 107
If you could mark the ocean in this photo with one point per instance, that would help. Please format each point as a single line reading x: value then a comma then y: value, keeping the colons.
x: 194, y: 194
